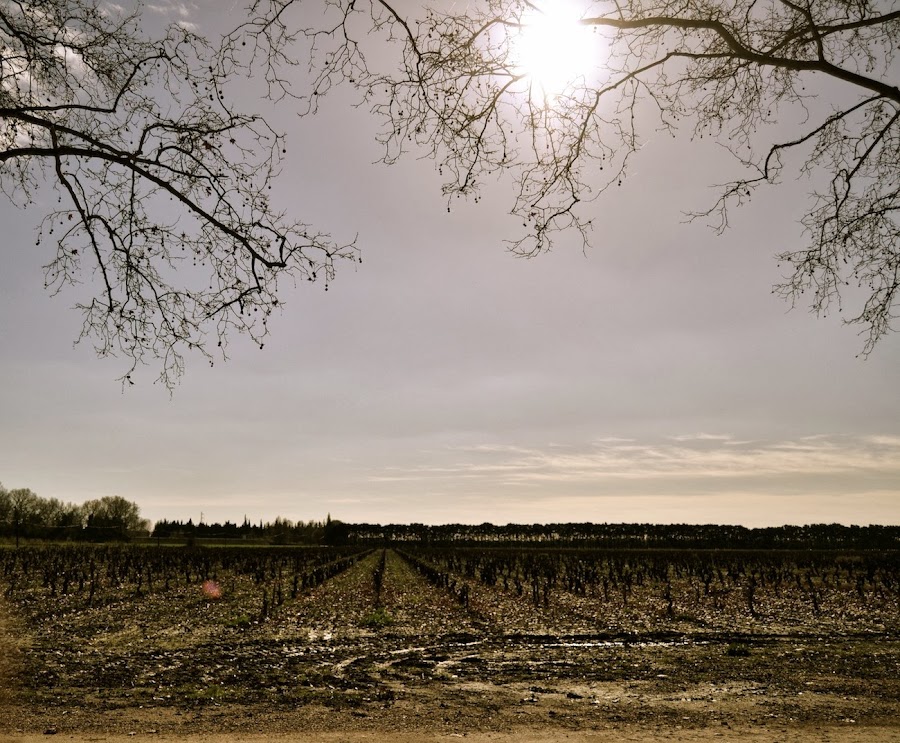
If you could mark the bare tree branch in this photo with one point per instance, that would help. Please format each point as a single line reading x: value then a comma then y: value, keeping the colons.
x: 731, y: 71
x: 164, y: 187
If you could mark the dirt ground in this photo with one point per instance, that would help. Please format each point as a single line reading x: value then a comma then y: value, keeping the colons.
x: 818, y: 734
x: 496, y: 710
x: 322, y: 670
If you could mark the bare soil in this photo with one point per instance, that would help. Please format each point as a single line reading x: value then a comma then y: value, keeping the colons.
x: 819, y: 734
x: 346, y: 663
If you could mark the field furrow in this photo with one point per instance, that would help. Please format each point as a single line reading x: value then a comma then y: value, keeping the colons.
x: 448, y: 639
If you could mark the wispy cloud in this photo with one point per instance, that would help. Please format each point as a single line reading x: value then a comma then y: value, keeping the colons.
x: 171, y: 8
x: 700, y: 457
x: 700, y: 437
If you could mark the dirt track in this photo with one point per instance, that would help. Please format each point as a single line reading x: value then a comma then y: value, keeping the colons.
x: 842, y: 734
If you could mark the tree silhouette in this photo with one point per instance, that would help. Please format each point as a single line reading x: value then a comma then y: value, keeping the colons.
x: 164, y: 217
x: 728, y: 70
x: 165, y: 228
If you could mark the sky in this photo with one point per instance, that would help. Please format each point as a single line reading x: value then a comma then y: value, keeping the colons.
x: 651, y: 378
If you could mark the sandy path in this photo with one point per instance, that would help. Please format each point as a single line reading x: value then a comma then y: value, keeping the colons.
x: 817, y: 734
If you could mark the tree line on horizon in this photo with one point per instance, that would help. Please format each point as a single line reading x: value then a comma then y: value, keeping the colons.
x: 24, y: 514
x: 649, y: 536
x: 634, y: 536
x: 279, y: 531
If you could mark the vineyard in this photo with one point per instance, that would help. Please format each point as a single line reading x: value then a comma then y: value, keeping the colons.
x: 448, y: 638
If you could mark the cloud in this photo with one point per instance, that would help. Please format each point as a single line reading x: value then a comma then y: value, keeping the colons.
x: 697, y: 458
x: 170, y: 8
x: 700, y: 437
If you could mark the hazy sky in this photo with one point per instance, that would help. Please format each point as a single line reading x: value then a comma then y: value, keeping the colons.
x: 653, y: 378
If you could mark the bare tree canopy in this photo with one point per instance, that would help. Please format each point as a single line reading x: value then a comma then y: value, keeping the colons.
x: 163, y: 186
x: 164, y: 218
x: 740, y: 71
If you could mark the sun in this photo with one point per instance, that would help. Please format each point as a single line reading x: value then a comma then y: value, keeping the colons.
x: 554, y: 50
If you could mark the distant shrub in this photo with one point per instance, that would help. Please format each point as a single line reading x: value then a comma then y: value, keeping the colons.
x: 239, y: 622
x: 377, y: 619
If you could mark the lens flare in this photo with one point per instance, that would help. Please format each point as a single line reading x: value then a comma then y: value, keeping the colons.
x: 211, y: 590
